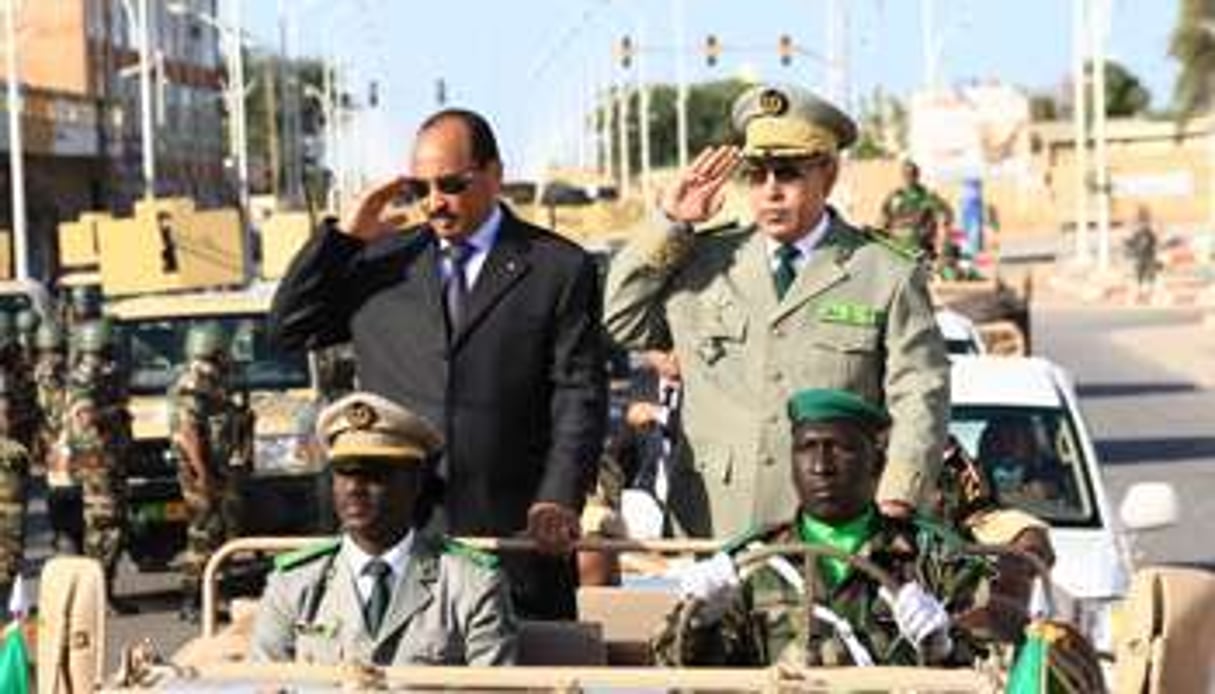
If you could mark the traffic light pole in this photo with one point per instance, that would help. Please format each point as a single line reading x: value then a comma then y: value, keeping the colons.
x: 16, y: 161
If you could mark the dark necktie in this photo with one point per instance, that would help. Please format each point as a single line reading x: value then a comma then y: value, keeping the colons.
x: 455, y: 291
x: 786, y: 269
x: 381, y: 591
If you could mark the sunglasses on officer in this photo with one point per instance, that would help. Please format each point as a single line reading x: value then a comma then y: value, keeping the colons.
x: 784, y: 170
x: 416, y: 189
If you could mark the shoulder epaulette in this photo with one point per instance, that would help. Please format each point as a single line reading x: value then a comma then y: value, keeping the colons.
x: 481, y: 558
x: 883, y: 239
x: 304, y: 555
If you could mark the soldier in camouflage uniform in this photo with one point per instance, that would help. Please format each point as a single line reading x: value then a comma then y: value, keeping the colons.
x: 63, y: 489
x: 915, y: 216
x: 14, y: 476
x: 207, y: 424
x: 767, y: 617
x: 24, y: 414
x: 27, y: 322
x: 97, y: 439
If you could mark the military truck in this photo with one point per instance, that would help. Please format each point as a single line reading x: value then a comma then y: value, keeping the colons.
x: 286, y: 486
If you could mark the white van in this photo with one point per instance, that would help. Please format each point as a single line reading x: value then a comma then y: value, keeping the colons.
x: 1019, y: 418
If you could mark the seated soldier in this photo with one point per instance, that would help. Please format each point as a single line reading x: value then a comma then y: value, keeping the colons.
x: 389, y: 591
x: 759, y: 619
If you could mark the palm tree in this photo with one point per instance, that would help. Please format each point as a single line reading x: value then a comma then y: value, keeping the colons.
x: 1193, y: 45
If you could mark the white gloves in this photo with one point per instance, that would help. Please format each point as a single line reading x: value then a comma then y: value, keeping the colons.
x: 922, y: 619
x: 714, y: 582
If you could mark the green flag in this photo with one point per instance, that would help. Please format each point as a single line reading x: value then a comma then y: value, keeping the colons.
x: 14, y: 662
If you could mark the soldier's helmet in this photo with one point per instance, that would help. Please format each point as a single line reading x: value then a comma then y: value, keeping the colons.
x: 27, y: 321
x: 93, y: 337
x: 206, y: 341
x: 86, y: 300
x: 49, y: 336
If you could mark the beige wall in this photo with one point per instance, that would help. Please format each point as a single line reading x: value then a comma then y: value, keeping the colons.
x: 52, y: 45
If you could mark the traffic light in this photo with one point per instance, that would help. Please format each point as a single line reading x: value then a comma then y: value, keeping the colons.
x: 785, y: 49
x: 712, y: 50
x: 624, y: 52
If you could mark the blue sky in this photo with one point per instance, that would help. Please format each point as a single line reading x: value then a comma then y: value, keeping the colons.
x: 529, y: 64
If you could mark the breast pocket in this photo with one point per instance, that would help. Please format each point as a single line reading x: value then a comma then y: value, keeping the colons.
x: 714, y: 324
x: 848, y: 356
x: 431, y: 647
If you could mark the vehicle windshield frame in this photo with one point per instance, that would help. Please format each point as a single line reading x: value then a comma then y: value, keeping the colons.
x: 1088, y: 513
x: 290, y: 370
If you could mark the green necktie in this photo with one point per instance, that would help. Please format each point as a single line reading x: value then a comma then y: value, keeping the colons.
x: 786, y: 270
x: 377, y: 602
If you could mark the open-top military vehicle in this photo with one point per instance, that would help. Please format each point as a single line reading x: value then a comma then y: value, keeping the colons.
x: 1165, y: 643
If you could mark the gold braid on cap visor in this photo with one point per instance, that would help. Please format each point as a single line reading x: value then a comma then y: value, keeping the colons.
x: 356, y: 443
x: 788, y: 137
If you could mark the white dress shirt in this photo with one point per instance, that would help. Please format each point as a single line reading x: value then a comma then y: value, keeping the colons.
x: 397, y: 558
x: 805, y: 245
x: 481, y: 240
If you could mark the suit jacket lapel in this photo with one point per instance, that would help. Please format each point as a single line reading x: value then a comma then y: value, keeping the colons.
x: 754, y: 275
x: 825, y: 268
x: 430, y: 282
x: 506, y: 264
x: 348, y: 608
x: 412, y: 592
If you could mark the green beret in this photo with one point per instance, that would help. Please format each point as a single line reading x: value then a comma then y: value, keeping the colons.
x: 786, y: 121
x: 826, y: 404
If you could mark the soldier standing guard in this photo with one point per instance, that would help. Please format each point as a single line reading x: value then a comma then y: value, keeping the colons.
x: 63, y: 490
x: 206, y: 424
x: 14, y: 476
x: 97, y: 436
x: 915, y: 216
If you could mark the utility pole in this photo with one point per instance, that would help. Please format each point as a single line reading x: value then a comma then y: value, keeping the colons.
x: 681, y: 77
x: 1080, y: 125
x: 622, y: 130
x: 643, y: 118
x: 147, y: 129
x: 1098, y: 21
x: 16, y: 161
x: 271, y: 93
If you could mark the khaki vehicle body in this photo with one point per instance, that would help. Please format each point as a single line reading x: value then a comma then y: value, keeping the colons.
x: 1167, y: 645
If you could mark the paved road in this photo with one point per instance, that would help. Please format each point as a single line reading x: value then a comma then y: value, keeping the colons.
x: 1146, y: 380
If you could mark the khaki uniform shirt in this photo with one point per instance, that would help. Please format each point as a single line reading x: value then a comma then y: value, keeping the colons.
x: 449, y: 607
x: 857, y: 317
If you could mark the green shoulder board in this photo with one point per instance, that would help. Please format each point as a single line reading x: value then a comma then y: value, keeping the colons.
x: 900, y: 249
x: 303, y: 555
x: 483, y: 559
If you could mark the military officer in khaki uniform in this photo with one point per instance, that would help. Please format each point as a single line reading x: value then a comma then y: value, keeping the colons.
x: 796, y: 299
x: 389, y: 591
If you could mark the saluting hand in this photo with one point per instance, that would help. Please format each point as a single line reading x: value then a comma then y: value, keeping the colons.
x: 699, y: 193
x: 376, y: 215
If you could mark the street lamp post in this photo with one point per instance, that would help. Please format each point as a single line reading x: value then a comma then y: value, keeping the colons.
x: 15, y: 154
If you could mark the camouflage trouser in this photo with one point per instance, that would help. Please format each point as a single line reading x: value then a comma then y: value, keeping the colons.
x: 104, y: 509
x: 12, y: 523
x: 211, y: 520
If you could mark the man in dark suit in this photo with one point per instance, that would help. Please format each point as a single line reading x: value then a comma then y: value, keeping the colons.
x: 477, y: 320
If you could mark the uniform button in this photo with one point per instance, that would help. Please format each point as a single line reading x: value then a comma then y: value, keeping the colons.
x: 778, y: 332
x: 776, y: 376
x: 773, y: 418
x: 768, y: 461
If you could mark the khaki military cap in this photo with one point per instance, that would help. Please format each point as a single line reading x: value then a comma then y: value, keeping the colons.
x: 365, y: 425
x: 786, y: 121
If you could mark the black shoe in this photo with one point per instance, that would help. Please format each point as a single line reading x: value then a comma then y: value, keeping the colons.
x: 122, y: 606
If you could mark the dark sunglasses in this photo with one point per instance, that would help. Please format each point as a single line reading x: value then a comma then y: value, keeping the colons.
x: 450, y: 184
x: 756, y: 171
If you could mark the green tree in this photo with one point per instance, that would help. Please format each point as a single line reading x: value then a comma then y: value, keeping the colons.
x: 1125, y: 94
x: 882, y: 120
x: 1193, y: 45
